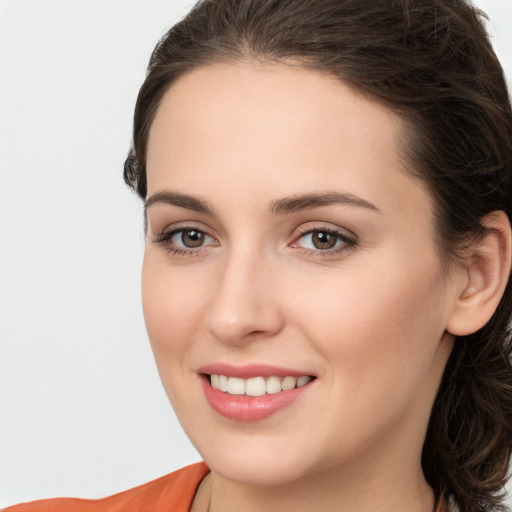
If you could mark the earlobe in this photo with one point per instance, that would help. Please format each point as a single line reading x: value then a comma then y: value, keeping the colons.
x: 485, y: 277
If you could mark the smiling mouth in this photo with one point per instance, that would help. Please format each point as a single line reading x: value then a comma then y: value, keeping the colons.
x: 257, y: 386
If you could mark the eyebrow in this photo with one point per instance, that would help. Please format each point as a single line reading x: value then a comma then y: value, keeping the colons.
x: 279, y: 206
x: 181, y: 200
x: 309, y: 201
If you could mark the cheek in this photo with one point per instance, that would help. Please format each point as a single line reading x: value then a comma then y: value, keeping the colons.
x: 172, y: 308
x: 378, y: 326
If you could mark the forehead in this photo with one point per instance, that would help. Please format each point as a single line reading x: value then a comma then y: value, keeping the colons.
x: 283, y: 129
x: 266, y: 101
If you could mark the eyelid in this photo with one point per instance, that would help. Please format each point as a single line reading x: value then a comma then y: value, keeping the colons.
x: 313, y: 227
x: 180, y: 226
x: 308, y: 227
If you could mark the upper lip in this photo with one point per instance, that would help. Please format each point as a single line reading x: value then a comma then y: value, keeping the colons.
x: 248, y: 371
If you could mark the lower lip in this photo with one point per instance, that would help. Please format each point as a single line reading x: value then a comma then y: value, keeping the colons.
x: 250, y: 408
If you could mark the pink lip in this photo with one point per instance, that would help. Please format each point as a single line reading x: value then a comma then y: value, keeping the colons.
x: 249, y: 408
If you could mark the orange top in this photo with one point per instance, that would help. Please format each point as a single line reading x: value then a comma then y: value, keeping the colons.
x: 171, y: 493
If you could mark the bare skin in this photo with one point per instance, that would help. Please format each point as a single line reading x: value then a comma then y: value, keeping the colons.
x: 368, y: 312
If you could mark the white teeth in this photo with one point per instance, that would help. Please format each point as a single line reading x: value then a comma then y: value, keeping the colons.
x: 302, y: 381
x: 288, y: 383
x: 223, y: 383
x: 257, y: 386
x: 236, y: 386
x: 273, y: 385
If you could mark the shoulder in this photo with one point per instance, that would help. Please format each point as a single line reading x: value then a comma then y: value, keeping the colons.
x: 174, y: 491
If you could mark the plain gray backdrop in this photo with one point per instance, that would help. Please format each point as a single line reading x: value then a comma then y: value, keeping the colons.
x: 82, y: 411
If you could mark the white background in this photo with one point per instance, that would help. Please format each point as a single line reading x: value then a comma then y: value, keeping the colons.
x: 82, y: 412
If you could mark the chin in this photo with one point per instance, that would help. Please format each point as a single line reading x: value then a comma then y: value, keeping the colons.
x: 259, y: 471
x: 256, y: 459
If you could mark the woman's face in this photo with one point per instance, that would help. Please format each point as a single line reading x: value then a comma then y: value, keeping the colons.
x: 287, y: 239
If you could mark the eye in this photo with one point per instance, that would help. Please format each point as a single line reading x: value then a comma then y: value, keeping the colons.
x: 189, y: 238
x: 321, y: 240
x: 185, y: 240
x: 324, y: 241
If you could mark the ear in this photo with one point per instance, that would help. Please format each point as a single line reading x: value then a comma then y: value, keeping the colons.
x: 484, y: 277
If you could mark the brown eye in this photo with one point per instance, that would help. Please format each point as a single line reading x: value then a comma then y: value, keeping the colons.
x: 192, y: 238
x: 185, y: 241
x: 323, y: 240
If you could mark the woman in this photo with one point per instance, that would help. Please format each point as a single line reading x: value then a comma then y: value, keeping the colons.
x: 326, y: 283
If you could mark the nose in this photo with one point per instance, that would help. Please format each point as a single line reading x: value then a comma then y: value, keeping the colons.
x: 245, y: 306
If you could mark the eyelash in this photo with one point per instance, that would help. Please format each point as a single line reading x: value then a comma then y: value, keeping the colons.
x: 164, y: 239
x: 348, y: 242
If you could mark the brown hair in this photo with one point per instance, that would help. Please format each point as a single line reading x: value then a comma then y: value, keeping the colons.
x: 432, y: 63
